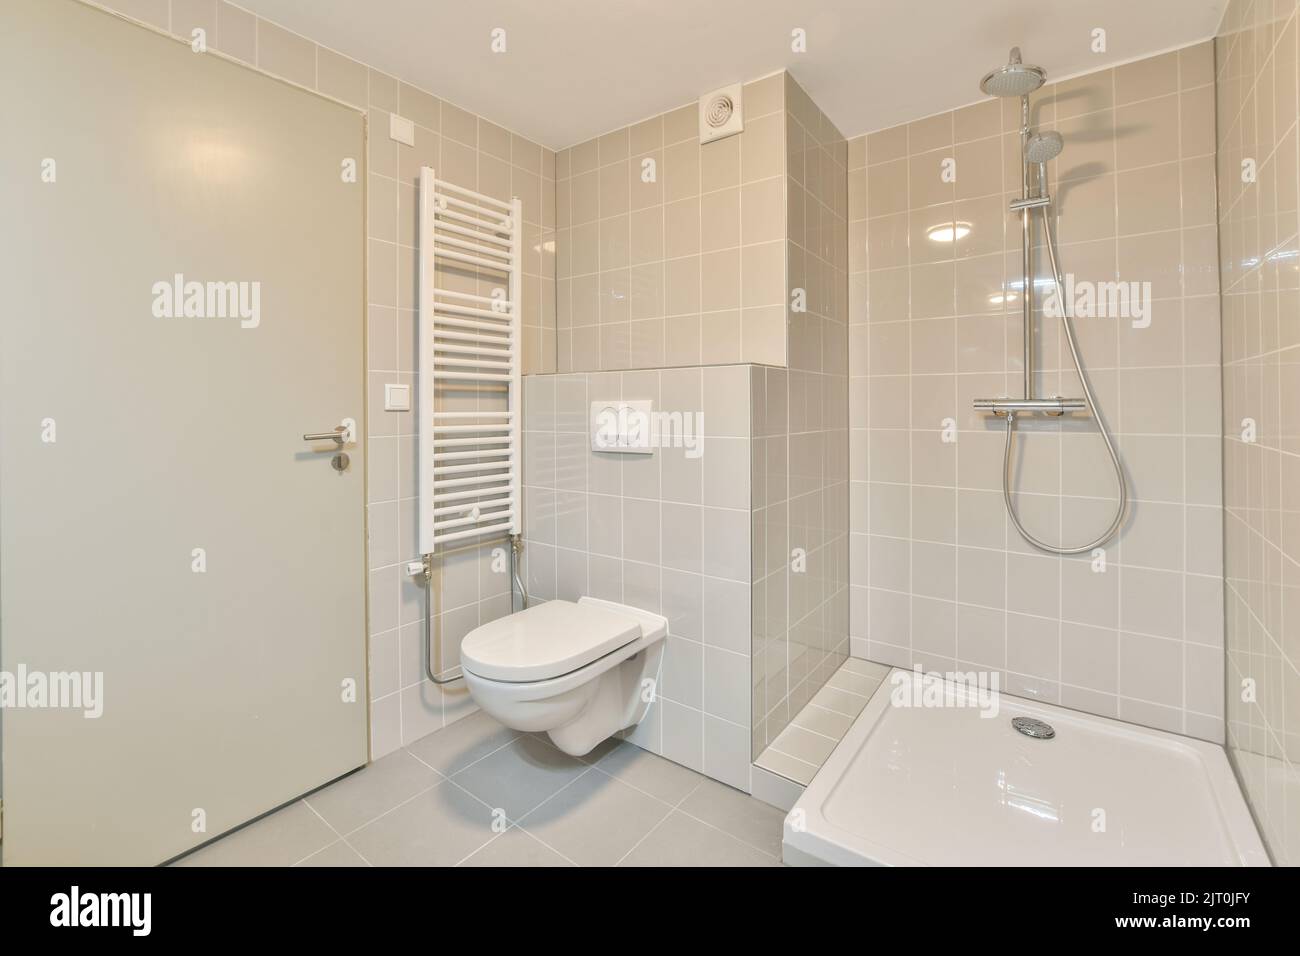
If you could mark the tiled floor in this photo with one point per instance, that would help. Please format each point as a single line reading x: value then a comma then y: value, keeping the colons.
x: 478, y: 794
x: 799, y: 751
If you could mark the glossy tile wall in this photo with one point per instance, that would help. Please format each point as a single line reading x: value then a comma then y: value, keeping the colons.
x: 1256, y: 57
x: 473, y: 152
x: 800, y: 469
x: 939, y: 577
x: 669, y: 252
x: 668, y: 532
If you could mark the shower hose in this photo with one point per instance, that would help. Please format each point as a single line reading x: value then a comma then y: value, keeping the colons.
x: 1122, y: 503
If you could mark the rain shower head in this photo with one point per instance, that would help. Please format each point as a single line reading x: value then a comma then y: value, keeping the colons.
x: 1014, y: 79
x: 1044, y: 146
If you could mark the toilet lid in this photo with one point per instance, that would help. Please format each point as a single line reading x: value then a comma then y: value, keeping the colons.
x: 545, y: 641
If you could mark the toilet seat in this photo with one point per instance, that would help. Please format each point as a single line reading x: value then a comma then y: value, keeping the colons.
x: 546, y: 641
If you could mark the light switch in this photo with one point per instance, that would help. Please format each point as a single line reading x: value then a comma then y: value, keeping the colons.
x: 397, y: 398
x: 401, y: 129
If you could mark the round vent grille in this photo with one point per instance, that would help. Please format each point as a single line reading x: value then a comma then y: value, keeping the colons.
x: 719, y: 110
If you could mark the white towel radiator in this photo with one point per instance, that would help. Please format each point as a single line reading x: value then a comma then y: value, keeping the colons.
x: 469, y: 401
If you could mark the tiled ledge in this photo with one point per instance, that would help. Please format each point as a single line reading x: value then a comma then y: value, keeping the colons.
x: 800, y: 750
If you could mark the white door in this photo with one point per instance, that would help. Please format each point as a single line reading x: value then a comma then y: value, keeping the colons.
x: 162, y: 522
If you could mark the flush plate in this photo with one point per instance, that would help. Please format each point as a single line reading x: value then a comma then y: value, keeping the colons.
x: 622, y: 427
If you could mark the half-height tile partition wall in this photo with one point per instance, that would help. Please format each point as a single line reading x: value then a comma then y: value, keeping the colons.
x: 1258, y: 96
x: 475, y: 153
x: 801, y: 498
x: 669, y: 252
x: 667, y: 532
x: 939, y: 576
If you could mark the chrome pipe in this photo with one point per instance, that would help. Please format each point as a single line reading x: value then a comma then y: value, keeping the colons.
x: 516, y: 546
x: 1038, y: 202
x: 1010, y: 81
x: 1026, y: 252
x: 1045, y: 406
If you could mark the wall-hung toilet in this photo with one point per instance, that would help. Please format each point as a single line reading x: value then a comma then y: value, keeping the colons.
x: 579, y: 672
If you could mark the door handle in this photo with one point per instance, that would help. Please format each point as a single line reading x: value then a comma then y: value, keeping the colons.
x: 344, y: 433
x: 339, y: 434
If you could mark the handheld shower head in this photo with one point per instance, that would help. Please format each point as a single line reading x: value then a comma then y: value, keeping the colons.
x: 1014, y: 79
x: 1044, y: 146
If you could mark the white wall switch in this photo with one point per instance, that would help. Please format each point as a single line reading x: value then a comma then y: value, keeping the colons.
x: 401, y: 129
x: 397, y: 398
x: 623, y: 428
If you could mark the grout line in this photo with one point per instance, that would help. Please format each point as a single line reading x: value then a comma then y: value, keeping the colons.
x: 774, y: 749
x: 672, y: 808
x: 341, y: 838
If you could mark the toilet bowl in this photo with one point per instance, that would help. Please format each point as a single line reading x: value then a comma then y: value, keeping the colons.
x: 581, y: 671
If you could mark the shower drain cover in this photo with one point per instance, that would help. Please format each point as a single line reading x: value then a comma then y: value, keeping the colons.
x: 1038, y: 729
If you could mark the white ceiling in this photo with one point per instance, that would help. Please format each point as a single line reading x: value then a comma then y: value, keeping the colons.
x: 577, y: 68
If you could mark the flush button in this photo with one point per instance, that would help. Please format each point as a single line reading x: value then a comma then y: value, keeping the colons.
x: 622, y: 427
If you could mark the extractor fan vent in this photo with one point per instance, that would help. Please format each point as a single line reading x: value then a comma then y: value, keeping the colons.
x: 720, y: 113
x: 719, y: 110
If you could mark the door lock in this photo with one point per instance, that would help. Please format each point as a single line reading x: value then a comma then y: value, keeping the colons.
x: 343, y: 434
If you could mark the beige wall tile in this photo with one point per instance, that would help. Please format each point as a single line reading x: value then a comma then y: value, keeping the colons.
x: 155, y: 12
x: 421, y: 107
x: 887, y: 145
x: 979, y: 168
x: 614, y: 186
x: 236, y: 32
x: 764, y: 96
x: 681, y: 171
x: 286, y: 54
x: 1146, y: 78
x: 459, y: 125
x: 646, y: 187
x: 762, y: 274
x: 762, y: 150
x: 1084, y: 94
x: 934, y: 132
x: 341, y: 77
x: 382, y: 90
x: 720, y: 280
x: 720, y: 220
x: 720, y: 164
x: 762, y: 213
x: 189, y: 15
x: 613, y: 147
x: 1147, y: 132
x: 1196, y: 65
x: 926, y: 184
